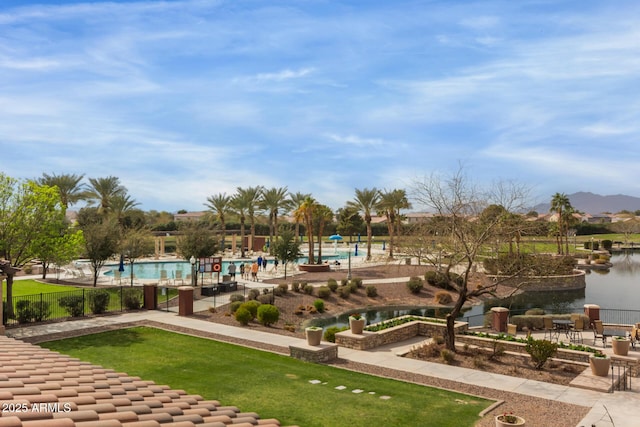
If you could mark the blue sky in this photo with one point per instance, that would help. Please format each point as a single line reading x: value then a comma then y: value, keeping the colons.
x: 185, y: 99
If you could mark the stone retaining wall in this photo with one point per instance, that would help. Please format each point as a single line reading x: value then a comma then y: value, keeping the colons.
x: 570, y: 282
x: 369, y: 340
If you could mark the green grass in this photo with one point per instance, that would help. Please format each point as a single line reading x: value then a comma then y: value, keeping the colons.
x: 272, y: 385
x: 30, y: 287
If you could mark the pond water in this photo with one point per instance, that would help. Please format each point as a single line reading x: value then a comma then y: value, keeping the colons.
x: 615, y: 288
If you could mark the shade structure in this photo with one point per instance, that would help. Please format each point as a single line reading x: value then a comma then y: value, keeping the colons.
x: 335, y: 237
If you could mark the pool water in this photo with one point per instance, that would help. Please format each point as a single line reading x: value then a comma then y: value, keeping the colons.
x: 152, y: 270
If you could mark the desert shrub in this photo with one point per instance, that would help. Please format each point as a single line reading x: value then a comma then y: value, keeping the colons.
x: 447, y: 356
x: 308, y: 289
x: 72, y: 304
x: 332, y: 283
x: 344, y: 292
x: 324, y: 292
x: 284, y: 287
x: 237, y: 297
x: 295, y: 286
x: 330, y: 333
x: 344, y: 282
x: 534, y: 312
x: 441, y: 280
x: 243, y: 315
x: 252, y: 307
x: 278, y: 291
x: 319, y: 305
x: 372, y: 291
x: 415, y: 285
x: 131, y: 299
x: 540, y: 351
x: 353, y: 287
x: 233, y: 307
x: 428, y: 350
x: 266, y: 298
x: 253, y: 294
x: 99, y: 301
x: 443, y: 297
x: 268, y: 314
x: 357, y: 281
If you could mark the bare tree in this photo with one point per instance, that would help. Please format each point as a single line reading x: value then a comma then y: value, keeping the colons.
x: 462, y: 233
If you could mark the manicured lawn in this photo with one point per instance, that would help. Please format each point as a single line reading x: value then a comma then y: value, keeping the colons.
x: 271, y: 385
x: 30, y: 287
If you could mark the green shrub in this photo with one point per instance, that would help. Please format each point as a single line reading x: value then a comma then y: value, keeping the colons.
x: 268, y: 314
x: 332, y: 284
x: 24, y: 313
x: 353, y: 287
x: 278, y: 291
x: 131, y: 299
x: 237, y: 297
x: 441, y: 280
x: 344, y: 282
x: 540, y: 351
x: 99, y: 301
x: 372, y: 291
x: 40, y: 310
x: 308, y: 289
x: 243, y: 316
x: 324, y: 292
x: 319, y: 305
x: 344, y: 292
x: 357, y: 281
x: 72, y: 304
x: 443, y: 297
x: 415, y: 285
x: 295, y: 286
x: 330, y: 333
x: 234, y: 306
x: 252, y: 307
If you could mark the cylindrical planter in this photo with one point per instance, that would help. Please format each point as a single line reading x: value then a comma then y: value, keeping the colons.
x: 314, y: 335
x: 620, y: 346
x: 356, y: 325
x: 500, y: 423
x: 599, y: 366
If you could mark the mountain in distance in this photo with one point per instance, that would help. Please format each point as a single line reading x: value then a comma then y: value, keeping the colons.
x: 596, y: 204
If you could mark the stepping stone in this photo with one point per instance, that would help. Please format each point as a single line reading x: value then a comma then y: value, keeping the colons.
x: 315, y: 381
x: 340, y: 387
x: 385, y: 397
x: 357, y: 391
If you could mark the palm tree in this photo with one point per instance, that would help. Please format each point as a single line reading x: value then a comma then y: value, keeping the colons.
x: 295, y: 201
x: 239, y: 204
x: 220, y: 205
x: 71, y: 191
x: 322, y: 215
x: 120, y: 204
x: 102, y: 190
x: 251, y: 195
x: 365, y: 202
x: 305, y: 212
x: 559, y: 204
x: 389, y: 205
x: 273, y: 200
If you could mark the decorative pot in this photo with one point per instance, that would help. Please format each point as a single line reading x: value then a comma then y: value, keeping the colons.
x: 599, y: 366
x: 620, y: 346
x: 314, y: 335
x: 500, y: 423
x: 356, y: 325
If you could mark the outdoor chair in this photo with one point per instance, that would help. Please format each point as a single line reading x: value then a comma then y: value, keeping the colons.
x: 575, y: 332
x: 178, y: 277
x: 598, y: 332
x: 549, y: 329
x: 117, y: 277
x: 163, y: 277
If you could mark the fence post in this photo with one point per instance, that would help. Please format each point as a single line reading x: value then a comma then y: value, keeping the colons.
x: 84, y: 305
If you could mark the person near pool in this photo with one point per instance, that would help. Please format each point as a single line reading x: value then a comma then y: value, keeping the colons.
x: 264, y: 264
x: 242, y: 270
x: 254, y: 271
x: 275, y: 264
x: 232, y: 270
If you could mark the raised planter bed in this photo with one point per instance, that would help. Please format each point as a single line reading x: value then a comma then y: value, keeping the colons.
x: 314, y: 268
x: 368, y: 340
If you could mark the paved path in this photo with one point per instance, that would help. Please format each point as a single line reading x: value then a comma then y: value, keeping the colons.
x: 622, y: 406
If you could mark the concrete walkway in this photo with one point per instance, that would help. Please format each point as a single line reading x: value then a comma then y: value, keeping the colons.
x: 621, y: 406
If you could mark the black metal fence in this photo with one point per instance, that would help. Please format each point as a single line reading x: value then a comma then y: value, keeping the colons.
x: 78, y: 303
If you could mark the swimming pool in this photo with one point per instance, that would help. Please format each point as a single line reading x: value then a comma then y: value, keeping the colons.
x: 152, y: 269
